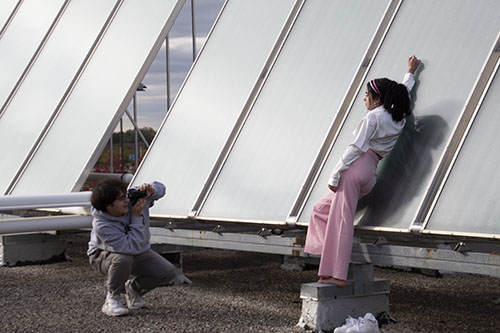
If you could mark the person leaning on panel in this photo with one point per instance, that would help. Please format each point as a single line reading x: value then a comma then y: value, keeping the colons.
x: 119, y: 244
x: 331, y: 227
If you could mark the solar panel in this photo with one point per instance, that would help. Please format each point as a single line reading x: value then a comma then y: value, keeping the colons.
x: 7, y: 8
x: 14, y: 54
x: 433, y: 30
x: 467, y: 202
x: 44, y: 86
x: 211, y: 100
x: 102, y: 92
x: 290, y: 119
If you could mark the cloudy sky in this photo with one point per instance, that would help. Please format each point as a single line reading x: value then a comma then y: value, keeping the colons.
x: 152, y: 103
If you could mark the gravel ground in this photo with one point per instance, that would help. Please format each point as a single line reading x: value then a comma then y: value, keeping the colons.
x: 231, y: 292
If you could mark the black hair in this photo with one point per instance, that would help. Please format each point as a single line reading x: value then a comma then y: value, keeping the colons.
x: 393, y: 95
x: 106, y: 192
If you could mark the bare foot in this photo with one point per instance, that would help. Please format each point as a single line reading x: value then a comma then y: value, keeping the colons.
x: 332, y: 280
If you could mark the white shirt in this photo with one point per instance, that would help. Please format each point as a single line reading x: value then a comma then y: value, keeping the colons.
x: 376, y: 131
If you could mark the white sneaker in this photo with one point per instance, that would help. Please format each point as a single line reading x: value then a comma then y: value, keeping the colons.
x: 134, y: 299
x: 367, y: 324
x: 349, y: 322
x: 113, y: 306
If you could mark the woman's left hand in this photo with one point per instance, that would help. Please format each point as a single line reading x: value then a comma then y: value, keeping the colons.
x: 333, y: 188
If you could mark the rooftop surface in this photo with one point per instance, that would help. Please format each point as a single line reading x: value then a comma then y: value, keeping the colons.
x: 232, y: 291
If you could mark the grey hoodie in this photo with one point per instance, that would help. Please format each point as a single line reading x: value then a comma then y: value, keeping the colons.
x: 125, y: 234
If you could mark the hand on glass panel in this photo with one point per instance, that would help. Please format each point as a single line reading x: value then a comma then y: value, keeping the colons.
x: 413, y: 63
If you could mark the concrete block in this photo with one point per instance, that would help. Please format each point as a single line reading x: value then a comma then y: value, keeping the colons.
x: 31, y: 248
x: 326, y: 306
x: 321, y: 291
x: 362, y: 274
x: 324, y: 315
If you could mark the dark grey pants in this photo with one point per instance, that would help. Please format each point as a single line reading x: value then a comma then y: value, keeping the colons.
x: 149, y: 269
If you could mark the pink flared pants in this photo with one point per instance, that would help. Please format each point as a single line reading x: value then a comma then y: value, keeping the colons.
x: 331, y: 226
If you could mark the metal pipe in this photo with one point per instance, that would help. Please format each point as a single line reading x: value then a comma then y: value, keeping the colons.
x: 111, y: 153
x: 15, y: 202
x: 121, y: 146
x: 193, y: 31
x: 167, y: 69
x: 98, y: 176
x: 36, y: 224
x: 136, y: 129
x: 143, y: 138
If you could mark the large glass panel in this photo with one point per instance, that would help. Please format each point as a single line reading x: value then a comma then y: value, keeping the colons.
x: 291, y: 117
x: 93, y: 105
x: 453, y: 52
x: 469, y: 200
x: 211, y: 100
x: 48, y: 79
x: 22, y: 38
x: 6, y: 9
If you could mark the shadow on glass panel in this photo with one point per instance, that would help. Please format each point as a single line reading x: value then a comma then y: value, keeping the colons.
x: 402, y: 174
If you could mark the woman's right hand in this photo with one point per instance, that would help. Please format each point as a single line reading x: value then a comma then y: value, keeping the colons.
x: 413, y: 63
x: 332, y: 188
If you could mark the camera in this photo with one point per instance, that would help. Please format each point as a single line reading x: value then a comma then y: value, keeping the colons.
x: 134, y: 195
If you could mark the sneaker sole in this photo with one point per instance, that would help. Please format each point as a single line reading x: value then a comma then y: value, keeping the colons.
x: 124, y: 313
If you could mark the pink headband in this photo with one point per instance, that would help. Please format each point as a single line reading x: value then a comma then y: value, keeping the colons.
x: 374, y: 87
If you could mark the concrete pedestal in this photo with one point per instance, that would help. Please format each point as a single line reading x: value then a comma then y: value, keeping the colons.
x: 326, y: 306
x: 31, y: 248
x: 170, y: 252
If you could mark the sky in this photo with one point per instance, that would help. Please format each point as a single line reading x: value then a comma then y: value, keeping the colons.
x: 152, y: 103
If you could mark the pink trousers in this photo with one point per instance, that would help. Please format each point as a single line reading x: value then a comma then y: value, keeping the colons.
x: 331, y: 226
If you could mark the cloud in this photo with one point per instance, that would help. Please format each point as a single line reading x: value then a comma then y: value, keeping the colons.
x: 183, y: 46
x: 151, y: 104
x: 206, y: 12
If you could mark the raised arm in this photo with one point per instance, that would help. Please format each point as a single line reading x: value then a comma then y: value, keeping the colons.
x: 408, y: 79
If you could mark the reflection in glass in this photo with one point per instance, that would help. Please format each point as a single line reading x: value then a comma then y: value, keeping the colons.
x: 468, y: 202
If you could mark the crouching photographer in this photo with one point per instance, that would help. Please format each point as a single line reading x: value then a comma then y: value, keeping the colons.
x: 119, y: 244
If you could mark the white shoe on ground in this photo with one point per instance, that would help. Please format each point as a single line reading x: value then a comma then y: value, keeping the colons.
x: 134, y: 299
x: 349, y: 322
x: 113, y: 306
x: 367, y: 324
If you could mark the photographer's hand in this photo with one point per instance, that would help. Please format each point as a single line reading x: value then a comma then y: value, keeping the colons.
x: 149, y: 189
x: 138, y: 207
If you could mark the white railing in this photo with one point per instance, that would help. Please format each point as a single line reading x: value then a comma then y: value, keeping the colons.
x: 18, y: 202
x: 44, y: 223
